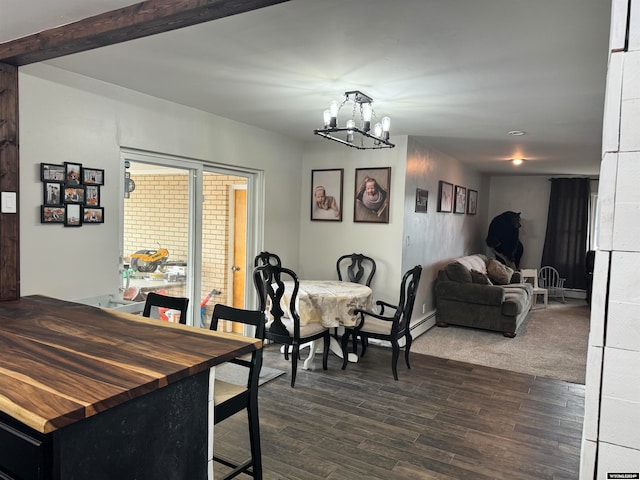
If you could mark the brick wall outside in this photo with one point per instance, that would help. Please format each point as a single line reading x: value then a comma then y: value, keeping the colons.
x: 156, y: 216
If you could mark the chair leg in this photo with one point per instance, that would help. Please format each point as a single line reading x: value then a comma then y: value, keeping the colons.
x: 395, y: 353
x: 294, y: 363
x: 344, y: 343
x: 364, y: 340
x: 254, y: 439
x: 325, y: 351
x: 407, y: 348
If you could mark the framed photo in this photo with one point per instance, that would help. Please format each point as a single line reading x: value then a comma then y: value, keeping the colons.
x: 92, y: 176
x: 371, y: 200
x: 52, y: 173
x: 326, y: 195
x: 472, y: 202
x: 52, y: 214
x: 93, y: 215
x: 72, y: 172
x: 461, y: 200
x: 74, y: 194
x: 92, y: 195
x: 421, y: 200
x: 72, y: 216
x: 52, y: 193
x: 445, y: 196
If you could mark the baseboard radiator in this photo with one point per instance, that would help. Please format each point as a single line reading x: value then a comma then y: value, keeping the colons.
x: 417, y: 328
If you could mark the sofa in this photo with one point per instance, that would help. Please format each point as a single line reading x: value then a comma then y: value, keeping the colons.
x: 474, y: 291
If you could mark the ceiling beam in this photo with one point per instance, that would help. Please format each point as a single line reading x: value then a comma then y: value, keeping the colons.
x: 128, y: 23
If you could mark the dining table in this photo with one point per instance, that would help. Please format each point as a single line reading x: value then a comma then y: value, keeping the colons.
x: 92, y: 393
x: 331, y: 303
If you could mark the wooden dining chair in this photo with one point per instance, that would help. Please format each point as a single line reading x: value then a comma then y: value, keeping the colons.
x: 392, y: 327
x: 354, y: 266
x: 283, y: 325
x: 157, y: 301
x: 229, y: 398
x: 266, y: 258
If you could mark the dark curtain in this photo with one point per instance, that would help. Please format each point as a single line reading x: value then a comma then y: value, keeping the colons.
x: 565, y: 243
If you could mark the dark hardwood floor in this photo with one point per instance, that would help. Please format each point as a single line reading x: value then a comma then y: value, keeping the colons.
x: 442, y: 420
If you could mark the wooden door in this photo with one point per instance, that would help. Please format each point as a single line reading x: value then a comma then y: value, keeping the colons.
x: 239, y: 250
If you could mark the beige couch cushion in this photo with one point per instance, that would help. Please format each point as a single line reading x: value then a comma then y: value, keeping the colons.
x: 499, y: 273
x: 474, y: 262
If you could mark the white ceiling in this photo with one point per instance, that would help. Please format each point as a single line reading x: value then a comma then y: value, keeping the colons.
x: 460, y: 73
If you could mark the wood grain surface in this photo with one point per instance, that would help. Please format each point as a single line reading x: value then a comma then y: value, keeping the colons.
x: 61, y: 361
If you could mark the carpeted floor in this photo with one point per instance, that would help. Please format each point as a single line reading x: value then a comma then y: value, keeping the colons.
x: 551, y: 342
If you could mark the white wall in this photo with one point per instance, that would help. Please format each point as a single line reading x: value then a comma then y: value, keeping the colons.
x: 611, y: 438
x: 67, y: 117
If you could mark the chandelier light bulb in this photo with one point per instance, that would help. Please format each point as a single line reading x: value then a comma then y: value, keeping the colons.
x: 350, y: 125
x: 367, y: 111
x: 386, y: 125
x: 333, y: 109
x: 327, y: 117
x: 377, y: 129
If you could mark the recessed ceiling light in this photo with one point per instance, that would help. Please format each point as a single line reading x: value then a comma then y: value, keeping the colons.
x: 516, y: 133
x: 517, y: 161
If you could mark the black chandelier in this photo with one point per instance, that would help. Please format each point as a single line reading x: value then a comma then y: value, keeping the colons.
x: 356, y: 131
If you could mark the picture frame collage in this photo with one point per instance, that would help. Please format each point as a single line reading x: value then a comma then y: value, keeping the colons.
x: 71, y: 194
x: 457, y: 199
x: 371, y: 195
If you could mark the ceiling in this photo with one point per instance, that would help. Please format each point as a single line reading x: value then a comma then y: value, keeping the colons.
x: 459, y: 73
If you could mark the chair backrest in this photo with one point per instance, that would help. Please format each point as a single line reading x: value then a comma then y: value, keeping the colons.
x: 355, y: 265
x: 531, y: 273
x: 250, y: 318
x: 266, y: 258
x: 164, y: 301
x: 269, y: 282
x: 408, y: 289
x: 548, y: 277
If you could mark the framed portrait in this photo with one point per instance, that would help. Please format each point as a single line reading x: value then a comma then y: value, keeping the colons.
x: 460, y: 204
x: 326, y: 195
x: 52, y: 173
x: 73, y: 216
x: 372, y: 195
x: 74, y: 194
x: 421, y: 200
x: 72, y: 173
x: 92, y: 195
x: 472, y: 202
x: 93, y: 215
x: 51, y: 214
x: 52, y: 193
x: 445, y: 196
x: 92, y: 176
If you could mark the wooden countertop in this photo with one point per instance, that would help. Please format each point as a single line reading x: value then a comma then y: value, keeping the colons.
x: 61, y: 362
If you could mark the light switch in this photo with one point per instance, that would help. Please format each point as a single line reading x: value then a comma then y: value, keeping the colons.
x: 9, y: 202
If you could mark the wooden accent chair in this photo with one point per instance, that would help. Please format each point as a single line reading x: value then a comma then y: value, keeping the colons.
x: 230, y: 398
x: 164, y: 301
x: 391, y: 328
x: 284, y: 327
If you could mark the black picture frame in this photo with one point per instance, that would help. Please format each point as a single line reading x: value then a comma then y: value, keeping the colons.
x: 52, y: 214
x: 52, y: 193
x: 73, y: 215
x: 372, y: 207
x: 472, y: 202
x: 92, y: 176
x: 72, y: 173
x: 92, y: 196
x: 50, y: 172
x: 421, y: 200
x: 460, y: 202
x: 326, y: 195
x: 92, y: 215
x: 74, y: 194
x: 445, y: 196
